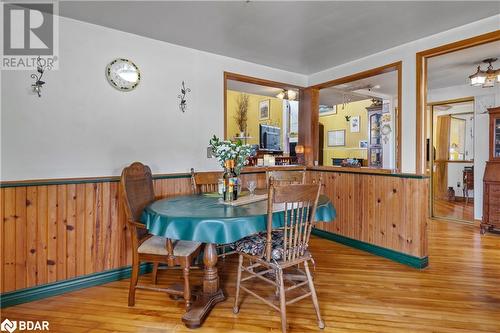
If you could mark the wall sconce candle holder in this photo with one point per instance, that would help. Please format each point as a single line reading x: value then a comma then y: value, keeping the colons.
x: 37, y: 86
x: 182, y: 97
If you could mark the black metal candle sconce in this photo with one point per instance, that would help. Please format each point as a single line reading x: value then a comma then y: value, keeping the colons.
x: 37, y: 86
x: 182, y: 97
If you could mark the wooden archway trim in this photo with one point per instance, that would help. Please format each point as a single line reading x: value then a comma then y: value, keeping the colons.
x: 421, y: 66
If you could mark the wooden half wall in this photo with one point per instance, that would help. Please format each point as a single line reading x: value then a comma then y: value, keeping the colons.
x: 381, y: 209
x: 62, y: 229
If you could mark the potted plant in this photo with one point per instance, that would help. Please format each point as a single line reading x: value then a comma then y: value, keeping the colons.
x: 225, y: 150
x: 241, y: 115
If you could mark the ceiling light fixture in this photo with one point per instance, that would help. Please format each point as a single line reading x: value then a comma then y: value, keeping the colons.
x: 290, y: 95
x: 487, y: 78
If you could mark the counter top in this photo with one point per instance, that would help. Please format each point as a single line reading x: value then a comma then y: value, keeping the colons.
x: 258, y: 169
x: 367, y: 171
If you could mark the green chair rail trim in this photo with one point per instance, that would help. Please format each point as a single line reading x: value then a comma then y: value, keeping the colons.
x: 112, y: 179
x: 399, y: 257
x: 95, y: 180
x: 60, y: 287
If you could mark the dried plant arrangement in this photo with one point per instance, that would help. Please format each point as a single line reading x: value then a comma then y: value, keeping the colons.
x: 241, y: 115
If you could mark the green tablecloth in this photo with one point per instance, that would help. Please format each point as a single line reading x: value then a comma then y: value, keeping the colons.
x: 203, y: 218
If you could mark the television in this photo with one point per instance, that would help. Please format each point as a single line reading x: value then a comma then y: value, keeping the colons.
x: 269, y: 137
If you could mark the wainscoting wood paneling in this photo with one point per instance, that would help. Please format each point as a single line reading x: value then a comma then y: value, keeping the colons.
x: 55, y: 231
x: 383, y: 210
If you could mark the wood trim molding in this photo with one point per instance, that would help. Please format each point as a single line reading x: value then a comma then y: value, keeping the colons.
x: 308, y: 124
x: 366, y: 171
x: 461, y: 44
x: 395, y: 66
x: 60, y: 287
x: 113, y: 179
x: 396, y: 256
x: 361, y: 75
x: 398, y: 114
x: 452, y: 101
x: 85, y: 180
x: 259, y: 81
x: 421, y: 103
x: 253, y: 80
x: 246, y: 170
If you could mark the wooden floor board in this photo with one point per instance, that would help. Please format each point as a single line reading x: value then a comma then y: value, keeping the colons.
x: 454, y: 210
x: 358, y: 292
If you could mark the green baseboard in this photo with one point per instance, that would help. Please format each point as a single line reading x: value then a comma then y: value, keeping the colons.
x: 399, y: 257
x: 61, y: 287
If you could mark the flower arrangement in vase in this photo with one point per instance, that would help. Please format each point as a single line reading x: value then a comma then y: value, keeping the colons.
x: 225, y: 150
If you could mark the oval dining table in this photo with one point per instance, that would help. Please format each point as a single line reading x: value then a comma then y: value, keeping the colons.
x: 204, y: 218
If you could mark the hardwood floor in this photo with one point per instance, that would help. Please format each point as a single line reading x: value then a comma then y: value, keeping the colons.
x: 358, y: 292
x: 454, y: 209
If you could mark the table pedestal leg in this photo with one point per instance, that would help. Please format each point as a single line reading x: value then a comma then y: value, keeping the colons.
x: 211, y: 295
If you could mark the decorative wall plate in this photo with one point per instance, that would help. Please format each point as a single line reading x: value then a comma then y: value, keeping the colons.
x: 123, y: 74
x: 386, y: 129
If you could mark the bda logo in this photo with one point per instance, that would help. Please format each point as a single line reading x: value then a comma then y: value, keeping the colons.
x: 8, y: 325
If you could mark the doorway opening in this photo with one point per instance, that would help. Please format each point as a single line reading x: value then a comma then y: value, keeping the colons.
x: 264, y: 114
x: 359, y: 123
x: 445, y: 80
x: 452, y: 156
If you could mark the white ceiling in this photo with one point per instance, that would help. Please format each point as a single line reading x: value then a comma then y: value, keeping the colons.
x: 302, y: 37
x: 251, y: 88
x: 453, y: 69
x: 383, y: 85
x: 454, y: 108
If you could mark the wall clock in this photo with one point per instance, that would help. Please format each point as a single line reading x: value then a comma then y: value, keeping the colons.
x: 123, y: 74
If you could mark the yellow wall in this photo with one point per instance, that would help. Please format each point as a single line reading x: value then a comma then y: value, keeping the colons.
x: 276, y: 115
x: 338, y: 122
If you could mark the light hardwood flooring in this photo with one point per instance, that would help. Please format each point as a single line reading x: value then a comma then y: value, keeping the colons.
x: 454, y: 210
x: 358, y: 292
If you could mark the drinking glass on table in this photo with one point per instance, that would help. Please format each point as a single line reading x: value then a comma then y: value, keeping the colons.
x: 251, y: 185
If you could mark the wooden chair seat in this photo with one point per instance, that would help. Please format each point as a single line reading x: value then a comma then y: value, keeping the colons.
x: 158, y: 245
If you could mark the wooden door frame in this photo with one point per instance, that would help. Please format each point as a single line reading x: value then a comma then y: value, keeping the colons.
x: 258, y: 81
x: 431, y: 156
x: 421, y: 66
x: 395, y: 66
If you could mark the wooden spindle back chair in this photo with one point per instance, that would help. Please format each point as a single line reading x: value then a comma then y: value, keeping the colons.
x: 283, y: 177
x: 138, y: 192
x: 285, y: 248
x: 298, y: 202
x: 205, y: 182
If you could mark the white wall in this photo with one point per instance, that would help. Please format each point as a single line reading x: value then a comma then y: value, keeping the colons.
x: 455, y: 176
x: 82, y: 127
x: 406, y: 53
x: 481, y: 132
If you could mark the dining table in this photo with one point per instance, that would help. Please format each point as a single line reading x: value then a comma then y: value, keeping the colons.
x: 206, y: 218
